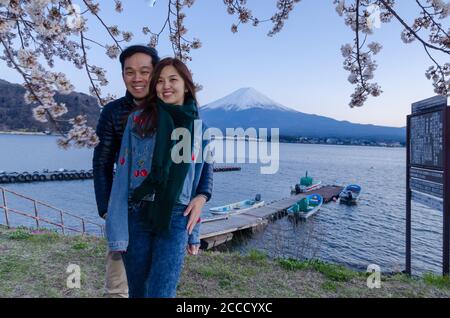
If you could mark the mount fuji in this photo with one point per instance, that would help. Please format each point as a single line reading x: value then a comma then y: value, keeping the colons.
x: 247, y: 107
x: 245, y: 98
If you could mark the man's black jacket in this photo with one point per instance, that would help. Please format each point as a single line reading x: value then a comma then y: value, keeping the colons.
x: 110, y: 128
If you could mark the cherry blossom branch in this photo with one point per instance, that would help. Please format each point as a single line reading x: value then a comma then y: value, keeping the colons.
x: 93, y: 11
x: 94, y: 87
x: 245, y: 15
x: 358, y: 55
x: 438, y: 25
x: 440, y: 83
x: 20, y: 35
x: 29, y: 86
x: 181, y: 46
x: 180, y: 27
x: 410, y: 30
x: 95, y: 42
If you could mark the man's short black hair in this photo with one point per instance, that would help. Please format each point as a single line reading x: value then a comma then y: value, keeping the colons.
x: 131, y: 50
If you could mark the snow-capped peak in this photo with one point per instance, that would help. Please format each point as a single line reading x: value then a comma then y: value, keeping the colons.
x: 245, y: 98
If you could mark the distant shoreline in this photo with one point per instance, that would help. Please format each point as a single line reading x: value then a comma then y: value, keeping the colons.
x: 383, y: 145
x: 23, y: 133
x: 29, y: 133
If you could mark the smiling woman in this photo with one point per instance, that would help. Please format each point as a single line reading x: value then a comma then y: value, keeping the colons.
x: 170, y: 86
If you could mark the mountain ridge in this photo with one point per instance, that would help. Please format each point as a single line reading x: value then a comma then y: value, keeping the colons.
x: 16, y: 115
x: 245, y: 98
x: 247, y: 108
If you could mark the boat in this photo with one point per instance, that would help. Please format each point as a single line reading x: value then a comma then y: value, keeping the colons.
x: 306, y: 206
x: 238, y: 207
x: 350, y: 194
x: 306, y: 184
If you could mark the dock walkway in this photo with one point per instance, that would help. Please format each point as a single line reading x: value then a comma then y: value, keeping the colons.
x: 217, y: 230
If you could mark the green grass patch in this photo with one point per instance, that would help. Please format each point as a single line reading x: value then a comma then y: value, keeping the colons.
x: 224, y: 283
x: 257, y: 256
x: 330, y: 286
x: 292, y: 264
x: 45, y: 238
x: 80, y: 245
x: 334, y: 272
x: 442, y: 282
x: 207, y: 272
x: 19, y: 234
x: 401, y: 277
x: 13, y: 267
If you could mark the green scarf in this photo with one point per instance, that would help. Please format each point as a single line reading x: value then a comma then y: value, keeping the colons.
x: 166, y: 178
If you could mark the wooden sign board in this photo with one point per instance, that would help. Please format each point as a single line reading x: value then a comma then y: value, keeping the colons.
x: 427, y: 167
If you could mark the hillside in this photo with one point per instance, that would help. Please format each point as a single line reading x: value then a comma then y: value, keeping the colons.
x: 16, y: 115
x: 244, y: 108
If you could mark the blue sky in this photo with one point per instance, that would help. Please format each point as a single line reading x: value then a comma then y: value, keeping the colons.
x: 301, y: 67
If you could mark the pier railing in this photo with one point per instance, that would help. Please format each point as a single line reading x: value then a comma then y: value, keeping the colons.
x: 39, y: 219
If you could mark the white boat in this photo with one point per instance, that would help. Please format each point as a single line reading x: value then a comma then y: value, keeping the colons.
x: 238, y: 207
x: 303, y: 189
x: 306, y: 184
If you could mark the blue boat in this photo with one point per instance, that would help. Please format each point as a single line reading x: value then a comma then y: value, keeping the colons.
x: 306, y: 206
x: 350, y: 194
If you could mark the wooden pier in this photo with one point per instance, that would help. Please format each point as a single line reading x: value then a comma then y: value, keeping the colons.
x: 217, y: 230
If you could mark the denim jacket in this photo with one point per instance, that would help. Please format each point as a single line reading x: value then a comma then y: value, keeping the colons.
x: 133, y: 165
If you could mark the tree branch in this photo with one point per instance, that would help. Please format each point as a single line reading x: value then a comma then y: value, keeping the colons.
x: 103, y: 23
x: 358, y: 52
x: 87, y: 69
x: 438, y: 25
x: 388, y: 7
x: 29, y: 85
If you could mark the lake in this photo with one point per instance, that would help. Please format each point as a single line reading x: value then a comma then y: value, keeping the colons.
x: 371, y: 232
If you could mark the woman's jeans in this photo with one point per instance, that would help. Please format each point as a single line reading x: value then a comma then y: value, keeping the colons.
x: 153, y: 262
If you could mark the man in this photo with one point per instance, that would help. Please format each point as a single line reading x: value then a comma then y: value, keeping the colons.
x: 137, y: 63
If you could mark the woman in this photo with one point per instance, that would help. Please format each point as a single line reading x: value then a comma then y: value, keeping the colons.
x: 154, y: 208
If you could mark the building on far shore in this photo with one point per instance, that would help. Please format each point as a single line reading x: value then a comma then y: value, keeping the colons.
x: 342, y: 141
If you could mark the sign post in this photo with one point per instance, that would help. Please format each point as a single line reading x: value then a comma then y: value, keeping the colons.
x: 427, y: 166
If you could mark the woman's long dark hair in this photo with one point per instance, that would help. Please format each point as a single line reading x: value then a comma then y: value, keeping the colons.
x: 147, y: 120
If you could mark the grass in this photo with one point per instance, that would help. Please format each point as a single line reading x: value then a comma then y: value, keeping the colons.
x: 442, y: 282
x: 257, y: 256
x: 333, y: 272
x: 80, y: 245
x: 329, y: 286
x: 19, y: 234
x: 34, y: 264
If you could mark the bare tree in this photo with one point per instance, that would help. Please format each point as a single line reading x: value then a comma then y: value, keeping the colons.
x: 42, y: 30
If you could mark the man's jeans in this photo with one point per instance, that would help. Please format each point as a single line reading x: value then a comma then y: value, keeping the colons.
x: 154, y: 262
x: 116, y: 285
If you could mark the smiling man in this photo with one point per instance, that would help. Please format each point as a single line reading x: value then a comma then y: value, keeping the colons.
x: 137, y: 64
x: 136, y: 73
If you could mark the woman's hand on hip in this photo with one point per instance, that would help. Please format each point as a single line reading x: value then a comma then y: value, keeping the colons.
x: 194, y: 209
x: 193, y: 249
